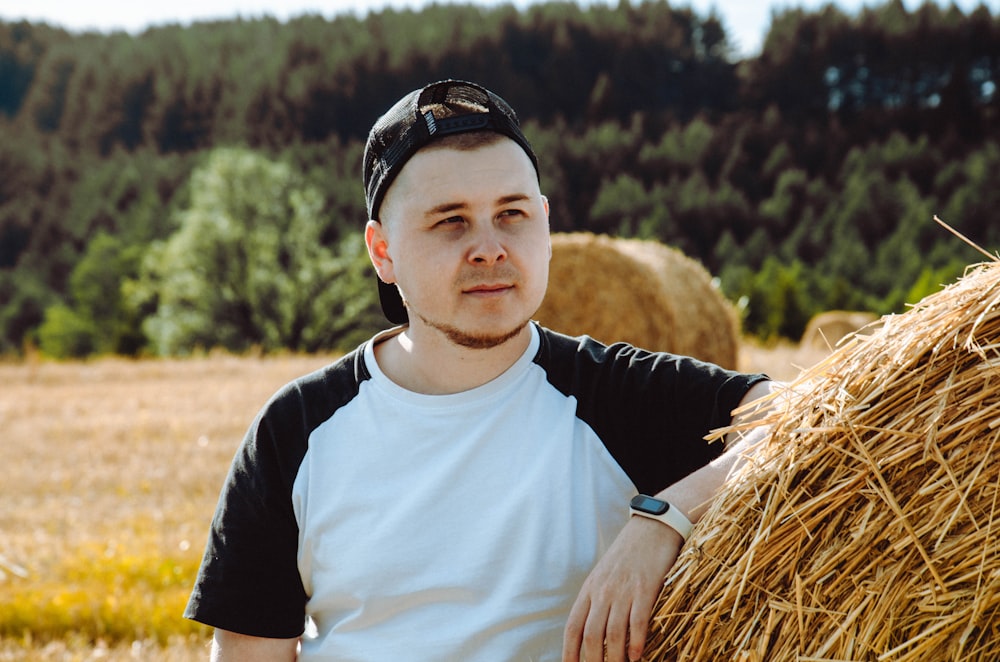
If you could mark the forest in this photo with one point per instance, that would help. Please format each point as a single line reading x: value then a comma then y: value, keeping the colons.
x: 194, y: 187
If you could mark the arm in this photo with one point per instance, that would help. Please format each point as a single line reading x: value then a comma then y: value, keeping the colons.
x: 233, y: 647
x: 616, y: 601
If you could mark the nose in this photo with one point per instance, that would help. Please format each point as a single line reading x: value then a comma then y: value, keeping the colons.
x: 487, y: 248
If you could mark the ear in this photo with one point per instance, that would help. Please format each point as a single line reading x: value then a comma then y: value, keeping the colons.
x: 378, y: 251
x: 545, y: 206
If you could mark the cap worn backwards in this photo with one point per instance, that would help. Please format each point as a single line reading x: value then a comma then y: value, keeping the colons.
x: 410, y: 125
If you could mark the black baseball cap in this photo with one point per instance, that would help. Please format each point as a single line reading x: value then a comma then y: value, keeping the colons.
x: 410, y: 125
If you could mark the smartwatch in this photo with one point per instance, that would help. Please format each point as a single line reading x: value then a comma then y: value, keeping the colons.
x: 663, y: 511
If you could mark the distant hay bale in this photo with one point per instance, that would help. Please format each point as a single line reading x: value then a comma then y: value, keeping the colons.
x: 826, y: 329
x: 640, y: 292
x: 866, y: 526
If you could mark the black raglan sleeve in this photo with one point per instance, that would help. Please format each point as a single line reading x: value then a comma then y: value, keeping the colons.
x: 652, y: 410
x: 249, y: 580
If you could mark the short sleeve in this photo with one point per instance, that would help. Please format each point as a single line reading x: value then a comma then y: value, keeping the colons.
x: 652, y: 410
x: 249, y: 581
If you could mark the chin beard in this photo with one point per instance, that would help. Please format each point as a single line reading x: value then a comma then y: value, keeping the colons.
x: 474, y: 340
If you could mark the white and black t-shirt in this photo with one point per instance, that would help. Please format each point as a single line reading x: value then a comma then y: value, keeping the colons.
x: 452, y: 527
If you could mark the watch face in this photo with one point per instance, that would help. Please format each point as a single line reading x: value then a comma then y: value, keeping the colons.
x: 648, y: 504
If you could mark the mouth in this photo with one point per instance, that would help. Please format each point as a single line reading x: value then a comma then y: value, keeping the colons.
x: 488, y: 289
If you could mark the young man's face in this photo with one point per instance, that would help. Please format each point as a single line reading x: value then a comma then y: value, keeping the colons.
x: 465, y: 236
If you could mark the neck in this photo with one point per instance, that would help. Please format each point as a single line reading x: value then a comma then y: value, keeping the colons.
x: 424, y: 361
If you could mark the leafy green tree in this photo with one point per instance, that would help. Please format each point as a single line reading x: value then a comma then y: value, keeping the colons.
x: 24, y: 298
x: 680, y: 151
x: 67, y: 334
x: 791, y: 71
x: 97, y: 319
x: 778, y: 297
x: 247, y: 266
x: 22, y: 45
x: 788, y: 206
x: 702, y: 213
x: 622, y: 204
x: 46, y: 98
x: 21, y: 169
x: 972, y: 207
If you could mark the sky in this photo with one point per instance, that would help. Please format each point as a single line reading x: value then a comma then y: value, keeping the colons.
x: 745, y: 21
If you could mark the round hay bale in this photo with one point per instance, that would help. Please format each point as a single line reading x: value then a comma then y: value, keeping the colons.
x: 597, y: 290
x: 706, y: 324
x: 825, y: 330
x: 865, y: 527
x: 640, y: 292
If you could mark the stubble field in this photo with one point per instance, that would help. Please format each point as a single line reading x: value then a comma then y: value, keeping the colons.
x: 109, y: 474
x: 108, y: 478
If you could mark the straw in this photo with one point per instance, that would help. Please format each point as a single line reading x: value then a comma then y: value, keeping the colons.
x: 865, y: 527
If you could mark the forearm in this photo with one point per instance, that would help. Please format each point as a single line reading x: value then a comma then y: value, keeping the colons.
x: 232, y: 647
x: 693, y: 493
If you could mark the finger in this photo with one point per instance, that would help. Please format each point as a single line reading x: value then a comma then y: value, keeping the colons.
x: 573, y: 632
x: 642, y: 611
x: 617, y: 632
x: 593, y: 634
x: 638, y: 631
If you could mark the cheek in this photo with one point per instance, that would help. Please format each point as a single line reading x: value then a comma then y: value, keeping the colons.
x: 421, y: 275
x: 537, y: 267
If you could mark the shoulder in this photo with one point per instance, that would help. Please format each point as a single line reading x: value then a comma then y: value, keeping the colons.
x: 555, y: 347
x: 559, y: 352
x: 284, y: 425
x: 319, y: 393
x: 568, y: 360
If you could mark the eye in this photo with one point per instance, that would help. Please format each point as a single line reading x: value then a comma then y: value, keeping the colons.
x: 451, y: 221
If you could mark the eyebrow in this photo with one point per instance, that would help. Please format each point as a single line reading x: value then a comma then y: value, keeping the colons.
x: 456, y: 206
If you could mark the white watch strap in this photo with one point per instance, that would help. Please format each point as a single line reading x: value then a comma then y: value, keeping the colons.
x: 673, y: 518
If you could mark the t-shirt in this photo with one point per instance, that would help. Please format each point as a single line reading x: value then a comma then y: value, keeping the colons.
x: 404, y: 526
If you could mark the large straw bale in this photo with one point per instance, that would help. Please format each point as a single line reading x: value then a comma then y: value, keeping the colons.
x: 826, y: 329
x: 866, y: 527
x: 641, y: 292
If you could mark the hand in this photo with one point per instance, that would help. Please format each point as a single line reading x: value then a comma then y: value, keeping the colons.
x: 616, y: 601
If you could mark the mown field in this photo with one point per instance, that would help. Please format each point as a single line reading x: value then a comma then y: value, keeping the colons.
x: 109, y: 474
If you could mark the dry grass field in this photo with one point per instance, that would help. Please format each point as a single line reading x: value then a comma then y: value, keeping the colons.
x: 109, y: 475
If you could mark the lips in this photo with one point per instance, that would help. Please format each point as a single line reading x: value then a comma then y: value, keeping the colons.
x: 494, y: 281
x: 488, y: 288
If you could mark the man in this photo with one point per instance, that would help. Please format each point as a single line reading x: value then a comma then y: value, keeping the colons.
x: 458, y: 488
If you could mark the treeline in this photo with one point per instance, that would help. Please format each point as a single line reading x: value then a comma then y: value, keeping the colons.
x: 133, y: 169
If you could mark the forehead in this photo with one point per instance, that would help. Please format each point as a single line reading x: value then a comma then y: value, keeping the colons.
x: 441, y: 173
